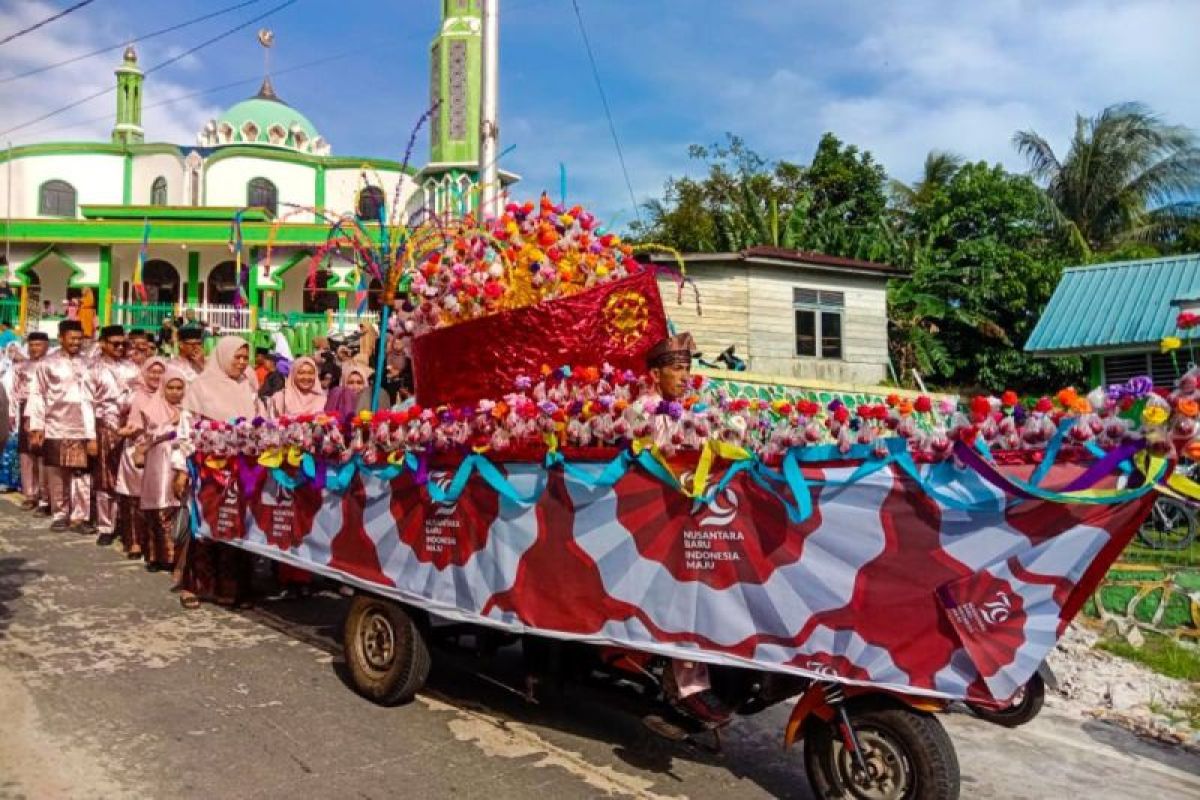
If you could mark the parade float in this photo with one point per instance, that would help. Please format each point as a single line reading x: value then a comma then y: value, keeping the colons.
x: 913, y: 549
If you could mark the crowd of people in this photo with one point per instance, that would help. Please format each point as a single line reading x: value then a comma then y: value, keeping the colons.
x: 103, y: 430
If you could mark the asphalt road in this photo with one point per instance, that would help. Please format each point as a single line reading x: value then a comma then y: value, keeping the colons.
x: 108, y: 689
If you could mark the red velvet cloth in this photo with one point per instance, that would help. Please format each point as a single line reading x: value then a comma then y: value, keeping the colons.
x: 615, y: 323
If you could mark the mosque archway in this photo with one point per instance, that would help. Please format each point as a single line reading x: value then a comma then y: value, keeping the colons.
x: 222, y: 284
x: 161, y: 280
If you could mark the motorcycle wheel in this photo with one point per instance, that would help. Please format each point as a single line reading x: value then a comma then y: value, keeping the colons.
x: 1170, y: 526
x: 1025, y: 706
x: 909, y: 756
x: 386, y: 652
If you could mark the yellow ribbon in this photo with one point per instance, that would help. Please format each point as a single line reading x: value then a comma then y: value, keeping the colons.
x: 271, y: 458
x: 712, y: 450
x: 1181, y: 487
x: 551, y: 441
x: 295, y: 455
x: 215, y: 463
x: 396, y: 457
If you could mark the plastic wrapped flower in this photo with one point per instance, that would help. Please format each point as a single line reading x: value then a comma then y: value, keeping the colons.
x: 1170, y: 343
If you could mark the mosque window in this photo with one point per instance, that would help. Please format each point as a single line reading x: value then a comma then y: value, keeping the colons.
x: 370, y: 202
x: 249, y: 132
x: 276, y: 134
x: 225, y: 133
x: 158, y: 191
x: 56, y: 199
x: 299, y: 137
x: 458, y: 89
x: 261, y: 193
x: 435, y: 94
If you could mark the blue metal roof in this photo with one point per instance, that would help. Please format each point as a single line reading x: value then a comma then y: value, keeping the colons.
x: 1119, y: 305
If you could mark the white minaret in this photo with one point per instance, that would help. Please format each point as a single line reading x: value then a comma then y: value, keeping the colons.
x: 489, y: 101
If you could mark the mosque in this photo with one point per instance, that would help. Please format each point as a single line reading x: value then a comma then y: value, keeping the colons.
x: 85, y: 215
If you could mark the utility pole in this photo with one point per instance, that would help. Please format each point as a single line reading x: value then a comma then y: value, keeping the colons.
x: 489, y: 101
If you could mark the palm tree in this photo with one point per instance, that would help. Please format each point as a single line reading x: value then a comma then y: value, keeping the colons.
x: 1124, y: 176
x: 940, y: 166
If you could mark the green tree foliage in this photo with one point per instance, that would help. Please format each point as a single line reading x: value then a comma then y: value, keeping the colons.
x: 835, y: 205
x: 989, y: 260
x: 1123, y: 177
x: 985, y: 248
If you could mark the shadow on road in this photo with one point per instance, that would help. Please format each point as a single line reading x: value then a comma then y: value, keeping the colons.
x: 750, y: 749
x: 14, y: 574
x: 1110, y: 735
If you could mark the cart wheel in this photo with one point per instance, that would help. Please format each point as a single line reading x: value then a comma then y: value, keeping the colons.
x: 385, y: 650
x: 908, y: 756
x: 1170, y: 526
x: 1024, y: 707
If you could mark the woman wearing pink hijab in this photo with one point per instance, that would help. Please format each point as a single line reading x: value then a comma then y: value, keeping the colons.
x: 128, y: 485
x: 223, y: 391
x: 166, y: 430
x: 302, y: 394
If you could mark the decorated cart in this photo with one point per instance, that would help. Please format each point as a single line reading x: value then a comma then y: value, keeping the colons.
x: 906, y: 549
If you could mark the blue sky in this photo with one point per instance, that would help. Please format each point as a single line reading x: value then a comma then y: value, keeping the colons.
x: 897, y: 77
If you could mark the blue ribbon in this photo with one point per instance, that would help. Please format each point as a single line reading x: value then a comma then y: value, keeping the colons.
x: 193, y: 503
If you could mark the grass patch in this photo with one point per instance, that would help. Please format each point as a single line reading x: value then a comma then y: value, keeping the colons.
x: 1166, y: 657
x: 1140, y: 554
x: 1161, y: 654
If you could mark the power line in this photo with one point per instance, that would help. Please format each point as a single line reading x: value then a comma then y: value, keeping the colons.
x: 118, y: 45
x: 210, y: 90
x: 612, y: 128
x: 46, y: 21
x: 153, y: 69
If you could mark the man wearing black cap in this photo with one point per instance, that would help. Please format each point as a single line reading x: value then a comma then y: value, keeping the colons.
x: 62, y: 426
x: 33, y: 483
x: 111, y: 380
x: 190, y: 360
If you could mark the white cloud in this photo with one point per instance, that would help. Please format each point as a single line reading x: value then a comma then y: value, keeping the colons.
x: 29, y: 98
x: 897, y: 78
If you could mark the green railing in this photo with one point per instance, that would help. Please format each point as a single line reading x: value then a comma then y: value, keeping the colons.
x: 10, y: 310
x: 142, y: 315
x: 294, y: 318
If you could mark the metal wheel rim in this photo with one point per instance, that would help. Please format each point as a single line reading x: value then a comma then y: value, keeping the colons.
x: 1168, y: 527
x: 890, y: 772
x: 377, y: 641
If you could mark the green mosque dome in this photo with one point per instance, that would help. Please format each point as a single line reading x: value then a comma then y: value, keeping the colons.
x: 264, y: 120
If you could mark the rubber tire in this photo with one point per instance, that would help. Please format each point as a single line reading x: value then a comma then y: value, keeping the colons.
x: 921, y: 737
x: 407, y: 670
x: 1149, y: 540
x: 1017, y: 715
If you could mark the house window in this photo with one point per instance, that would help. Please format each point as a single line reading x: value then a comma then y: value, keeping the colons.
x: 1119, y: 369
x: 158, y: 191
x: 56, y: 199
x: 370, y: 202
x: 818, y: 322
x: 261, y: 193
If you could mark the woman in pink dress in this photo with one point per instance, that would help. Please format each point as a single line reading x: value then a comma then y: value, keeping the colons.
x: 301, y: 395
x: 166, y: 432
x: 223, y: 391
x: 128, y: 485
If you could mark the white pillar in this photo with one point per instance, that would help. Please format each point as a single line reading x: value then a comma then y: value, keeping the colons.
x: 489, y: 101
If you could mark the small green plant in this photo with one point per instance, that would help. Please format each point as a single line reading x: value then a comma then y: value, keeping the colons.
x: 1161, y: 654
